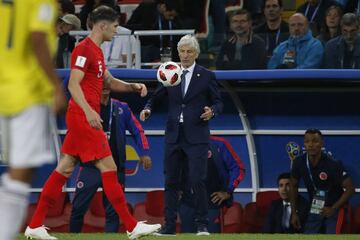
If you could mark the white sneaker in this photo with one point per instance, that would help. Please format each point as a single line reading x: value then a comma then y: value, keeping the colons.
x: 143, y: 229
x: 38, y: 233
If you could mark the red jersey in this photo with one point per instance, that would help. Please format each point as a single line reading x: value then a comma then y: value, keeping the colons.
x: 89, y: 58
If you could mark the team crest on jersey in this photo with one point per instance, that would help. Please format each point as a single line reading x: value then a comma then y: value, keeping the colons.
x: 80, y: 184
x: 121, y: 111
x: 323, y: 176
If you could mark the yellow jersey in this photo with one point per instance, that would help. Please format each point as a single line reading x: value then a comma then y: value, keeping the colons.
x: 23, y: 83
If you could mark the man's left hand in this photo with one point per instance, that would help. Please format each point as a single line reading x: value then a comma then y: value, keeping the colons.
x: 328, y: 211
x: 146, y: 162
x: 139, y: 88
x: 219, y: 197
x: 207, y: 114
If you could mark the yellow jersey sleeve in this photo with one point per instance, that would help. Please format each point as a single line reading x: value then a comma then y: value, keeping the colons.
x: 43, y: 13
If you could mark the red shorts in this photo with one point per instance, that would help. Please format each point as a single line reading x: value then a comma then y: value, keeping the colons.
x: 83, y: 141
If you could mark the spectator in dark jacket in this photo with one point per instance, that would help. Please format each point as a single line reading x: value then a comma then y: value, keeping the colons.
x: 278, y: 219
x: 242, y: 49
x: 344, y: 51
x: 157, y: 15
x: 314, y: 11
x: 331, y: 25
x: 274, y: 30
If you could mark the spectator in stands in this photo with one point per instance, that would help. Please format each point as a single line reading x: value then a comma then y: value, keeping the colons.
x: 116, y: 51
x: 91, y: 5
x: 225, y: 172
x: 242, y: 49
x: 301, y: 50
x: 331, y: 27
x: 66, y: 7
x: 117, y: 118
x: 344, y: 51
x: 328, y: 184
x: 278, y: 219
x: 314, y: 11
x: 158, y: 15
x: 353, y: 6
x: 191, y: 106
x: 66, y: 43
x: 274, y: 30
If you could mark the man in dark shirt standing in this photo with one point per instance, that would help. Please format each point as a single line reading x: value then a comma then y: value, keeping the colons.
x: 274, y: 30
x: 325, y: 178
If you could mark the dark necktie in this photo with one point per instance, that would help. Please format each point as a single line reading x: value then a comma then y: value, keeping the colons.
x: 183, y: 81
x: 286, y: 217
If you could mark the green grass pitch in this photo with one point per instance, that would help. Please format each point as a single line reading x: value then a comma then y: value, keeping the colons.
x: 101, y: 236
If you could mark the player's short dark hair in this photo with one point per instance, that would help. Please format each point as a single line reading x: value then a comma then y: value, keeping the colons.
x: 285, y: 175
x: 279, y: 2
x: 170, y: 4
x: 313, y: 131
x: 102, y: 13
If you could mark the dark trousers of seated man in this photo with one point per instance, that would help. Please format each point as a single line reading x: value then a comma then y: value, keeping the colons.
x: 88, y: 182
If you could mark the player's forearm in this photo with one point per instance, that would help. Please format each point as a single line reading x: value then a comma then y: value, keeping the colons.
x: 41, y: 50
x: 118, y: 85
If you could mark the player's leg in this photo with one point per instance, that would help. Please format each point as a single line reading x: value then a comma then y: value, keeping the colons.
x: 112, y: 218
x: 50, y: 193
x: 88, y: 182
x: 27, y: 143
x: 115, y: 194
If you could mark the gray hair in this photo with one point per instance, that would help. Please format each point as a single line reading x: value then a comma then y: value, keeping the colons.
x: 349, y: 19
x: 189, y: 40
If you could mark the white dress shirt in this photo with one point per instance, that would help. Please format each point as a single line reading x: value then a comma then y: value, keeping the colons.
x: 187, y: 83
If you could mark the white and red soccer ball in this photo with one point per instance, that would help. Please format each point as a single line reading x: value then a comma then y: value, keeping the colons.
x: 169, y: 74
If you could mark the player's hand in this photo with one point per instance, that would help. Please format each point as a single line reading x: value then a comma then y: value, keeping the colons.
x: 327, y: 211
x: 146, y: 162
x: 219, y: 197
x: 139, y: 88
x: 295, y: 220
x: 94, y: 119
x: 207, y: 114
x: 145, y: 114
x: 60, y: 101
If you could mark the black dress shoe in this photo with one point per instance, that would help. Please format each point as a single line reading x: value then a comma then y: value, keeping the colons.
x: 166, y: 232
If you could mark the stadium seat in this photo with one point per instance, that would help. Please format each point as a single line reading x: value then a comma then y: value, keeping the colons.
x: 232, y: 219
x: 152, y: 210
x: 94, y: 220
x: 356, y: 220
x: 256, y: 213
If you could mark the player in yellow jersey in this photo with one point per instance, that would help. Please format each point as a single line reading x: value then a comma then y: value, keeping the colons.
x: 29, y: 87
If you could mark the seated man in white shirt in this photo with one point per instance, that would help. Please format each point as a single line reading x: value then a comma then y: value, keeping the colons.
x: 116, y: 51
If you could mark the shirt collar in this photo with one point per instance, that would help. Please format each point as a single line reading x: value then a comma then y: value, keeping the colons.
x: 284, y: 203
x: 190, y: 69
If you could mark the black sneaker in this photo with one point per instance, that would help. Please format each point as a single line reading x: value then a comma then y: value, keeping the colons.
x: 202, y: 231
x: 166, y: 232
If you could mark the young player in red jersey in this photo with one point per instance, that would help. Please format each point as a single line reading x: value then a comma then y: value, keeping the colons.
x: 85, y: 139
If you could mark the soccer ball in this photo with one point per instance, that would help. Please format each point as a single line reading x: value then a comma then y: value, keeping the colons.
x: 293, y: 150
x: 169, y: 74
